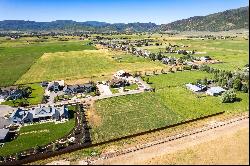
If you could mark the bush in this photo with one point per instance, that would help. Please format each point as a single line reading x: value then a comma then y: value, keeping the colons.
x: 186, y: 67
x: 228, y: 96
x: 244, y: 88
x: 237, y: 84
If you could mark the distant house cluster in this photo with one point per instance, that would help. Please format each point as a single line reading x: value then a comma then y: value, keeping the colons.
x: 36, y: 114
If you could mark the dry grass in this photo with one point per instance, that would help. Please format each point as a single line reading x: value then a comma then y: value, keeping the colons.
x: 230, y: 149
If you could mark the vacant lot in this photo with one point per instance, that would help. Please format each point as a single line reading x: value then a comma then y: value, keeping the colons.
x: 16, y: 59
x: 170, y: 103
x: 76, y: 65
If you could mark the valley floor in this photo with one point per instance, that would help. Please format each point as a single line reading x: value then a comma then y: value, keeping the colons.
x: 224, y: 145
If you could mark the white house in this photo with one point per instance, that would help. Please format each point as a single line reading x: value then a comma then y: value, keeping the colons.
x: 215, y: 91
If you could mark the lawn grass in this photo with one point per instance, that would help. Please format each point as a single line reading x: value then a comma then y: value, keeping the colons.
x: 37, y: 134
x: 171, y: 103
x: 16, y: 59
x: 76, y: 65
x: 34, y: 99
x: 114, y: 90
x: 132, y: 87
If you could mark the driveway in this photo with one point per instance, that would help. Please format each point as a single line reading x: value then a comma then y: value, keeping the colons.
x: 4, y: 110
x: 104, y: 89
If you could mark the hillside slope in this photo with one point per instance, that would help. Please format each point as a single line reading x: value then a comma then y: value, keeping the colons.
x: 222, y: 21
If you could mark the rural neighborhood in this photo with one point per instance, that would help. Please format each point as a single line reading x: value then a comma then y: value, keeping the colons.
x: 172, y: 92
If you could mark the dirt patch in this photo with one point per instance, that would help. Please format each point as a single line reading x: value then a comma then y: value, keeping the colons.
x: 92, y: 116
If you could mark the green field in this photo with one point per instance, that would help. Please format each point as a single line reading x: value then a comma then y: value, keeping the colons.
x: 171, y: 103
x: 76, y: 65
x: 16, y: 59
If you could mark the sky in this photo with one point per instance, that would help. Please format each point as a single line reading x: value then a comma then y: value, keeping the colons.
x: 113, y: 11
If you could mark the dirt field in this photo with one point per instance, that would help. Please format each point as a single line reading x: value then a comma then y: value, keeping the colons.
x: 224, y: 145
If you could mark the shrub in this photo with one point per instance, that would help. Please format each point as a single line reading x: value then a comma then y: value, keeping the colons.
x: 244, y: 88
x: 186, y: 67
x: 228, y: 96
x: 237, y: 84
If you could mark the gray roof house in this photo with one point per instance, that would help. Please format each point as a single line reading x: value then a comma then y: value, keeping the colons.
x: 21, y: 116
x: 83, y: 88
x: 215, y: 91
x: 196, y: 88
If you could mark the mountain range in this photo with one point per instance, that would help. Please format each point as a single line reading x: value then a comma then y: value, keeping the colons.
x: 222, y: 21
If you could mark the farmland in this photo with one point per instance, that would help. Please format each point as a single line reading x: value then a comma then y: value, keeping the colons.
x: 16, y: 59
x: 170, y: 103
x: 76, y: 65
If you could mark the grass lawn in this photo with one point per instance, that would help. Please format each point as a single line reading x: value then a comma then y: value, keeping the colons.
x: 171, y: 103
x: 77, y: 65
x: 131, y: 87
x: 37, y: 134
x: 114, y: 90
x: 34, y: 99
x: 16, y: 59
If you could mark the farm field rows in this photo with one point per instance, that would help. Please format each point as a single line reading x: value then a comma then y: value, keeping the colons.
x: 171, y: 103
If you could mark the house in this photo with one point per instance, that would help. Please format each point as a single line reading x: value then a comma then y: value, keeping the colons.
x: 215, y: 91
x: 56, y: 86
x: 44, y: 83
x: 15, y: 94
x: 205, y: 58
x: 165, y: 60
x: 121, y: 73
x: 3, y: 134
x: 116, y: 83
x: 196, y: 88
x: 45, y: 113
x: 83, y: 88
x: 21, y: 116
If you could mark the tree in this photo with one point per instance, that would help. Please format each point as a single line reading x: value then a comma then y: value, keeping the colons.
x: 244, y: 88
x: 204, y: 81
x: 237, y: 84
x: 228, y: 96
x: 147, y: 80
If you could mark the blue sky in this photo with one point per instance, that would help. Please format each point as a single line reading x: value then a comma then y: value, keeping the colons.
x: 113, y: 11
